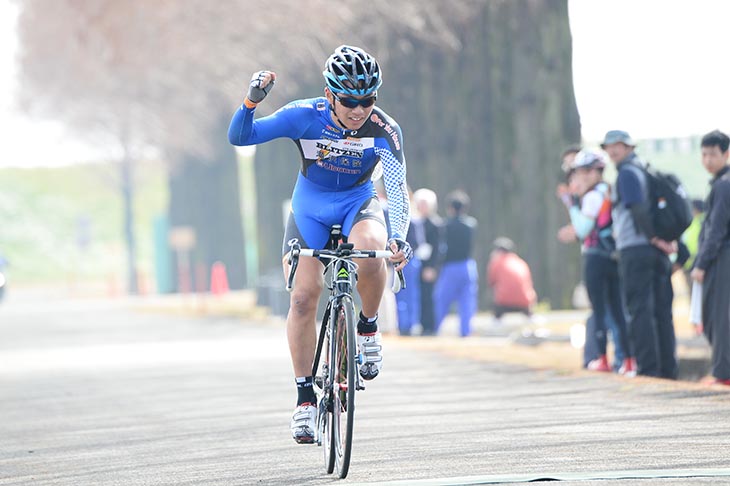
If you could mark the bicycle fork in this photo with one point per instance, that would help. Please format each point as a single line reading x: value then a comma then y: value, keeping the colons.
x: 344, y: 284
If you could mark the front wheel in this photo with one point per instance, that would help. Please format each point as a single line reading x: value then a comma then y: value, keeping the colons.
x: 324, y: 410
x: 345, y: 384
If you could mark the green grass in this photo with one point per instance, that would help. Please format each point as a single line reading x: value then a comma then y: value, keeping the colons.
x: 42, y: 212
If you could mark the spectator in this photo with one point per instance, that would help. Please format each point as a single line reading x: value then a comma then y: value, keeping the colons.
x: 712, y: 264
x: 457, y: 280
x: 568, y: 157
x: 568, y: 192
x: 691, y: 237
x: 565, y: 191
x: 591, y: 223
x: 408, y: 300
x: 426, y: 204
x: 388, y: 309
x: 644, y: 264
x: 511, y: 279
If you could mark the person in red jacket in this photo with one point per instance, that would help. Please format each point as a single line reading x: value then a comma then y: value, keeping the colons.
x: 511, y: 279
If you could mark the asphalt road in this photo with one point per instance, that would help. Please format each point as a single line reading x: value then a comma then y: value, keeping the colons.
x: 95, y: 393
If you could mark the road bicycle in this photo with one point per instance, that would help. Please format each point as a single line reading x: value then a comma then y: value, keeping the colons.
x: 336, y: 359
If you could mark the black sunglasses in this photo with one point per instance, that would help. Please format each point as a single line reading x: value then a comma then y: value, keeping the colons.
x: 354, y: 102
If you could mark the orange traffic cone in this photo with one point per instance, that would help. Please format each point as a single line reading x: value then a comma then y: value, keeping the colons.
x: 218, y: 279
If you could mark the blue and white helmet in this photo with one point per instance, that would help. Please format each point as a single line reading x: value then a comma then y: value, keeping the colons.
x: 352, y: 71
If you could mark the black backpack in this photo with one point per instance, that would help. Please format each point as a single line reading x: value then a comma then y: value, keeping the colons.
x: 671, y: 211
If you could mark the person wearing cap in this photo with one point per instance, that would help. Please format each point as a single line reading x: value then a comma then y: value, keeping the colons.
x: 644, y: 265
x: 591, y: 224
x: 458, y: 279
x: 510, y: 278
x: 712, y: 264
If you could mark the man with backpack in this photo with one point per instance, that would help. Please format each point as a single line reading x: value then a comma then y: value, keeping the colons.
x: 644, y: 264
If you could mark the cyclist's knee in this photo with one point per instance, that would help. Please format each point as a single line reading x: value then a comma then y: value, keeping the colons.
x: 303, y: 301
x: 369, y: 234
x: 371, y: 267
x: 370, y: 241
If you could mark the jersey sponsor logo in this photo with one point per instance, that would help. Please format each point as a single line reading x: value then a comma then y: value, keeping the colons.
x: 326, y: 149
x: 353, y: 142
x: 321, y: 106
x: 337, y: 168
x: 388, y: 129
x: 296, y: 104
x: 323, y: 150
x: 332, y: 149
x: 331, y: 133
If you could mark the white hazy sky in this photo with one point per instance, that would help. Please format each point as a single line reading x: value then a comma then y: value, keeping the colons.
x: 657, y: 68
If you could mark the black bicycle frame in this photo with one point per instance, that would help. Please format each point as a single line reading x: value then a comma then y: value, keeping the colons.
x: 341, y: 285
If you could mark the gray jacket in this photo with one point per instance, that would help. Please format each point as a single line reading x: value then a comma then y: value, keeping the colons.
x: 625, y: 229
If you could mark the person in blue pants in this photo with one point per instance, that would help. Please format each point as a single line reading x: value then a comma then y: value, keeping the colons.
x: 458, y: 279
x: 408, y: 300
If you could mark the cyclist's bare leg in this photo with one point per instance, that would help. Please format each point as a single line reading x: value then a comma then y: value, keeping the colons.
x: 369, y: 234
x: 301, y: 329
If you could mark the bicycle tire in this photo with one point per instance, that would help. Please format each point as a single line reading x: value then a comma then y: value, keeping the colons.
x: 324, y: 410
x: 344, y: 386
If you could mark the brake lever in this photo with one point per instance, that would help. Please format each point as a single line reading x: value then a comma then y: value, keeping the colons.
x: 398, y: 283
x: 293, y: 262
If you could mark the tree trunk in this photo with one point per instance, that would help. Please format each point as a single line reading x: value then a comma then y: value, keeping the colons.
x: 277, y: 164
x: 204, y: 194
x: 493, y: 120
x: 127, y: 189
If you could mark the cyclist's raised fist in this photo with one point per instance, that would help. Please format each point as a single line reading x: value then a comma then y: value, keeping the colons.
x: 261, y: 84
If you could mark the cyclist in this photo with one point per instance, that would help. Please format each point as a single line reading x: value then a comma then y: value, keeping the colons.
x: 345, y: 142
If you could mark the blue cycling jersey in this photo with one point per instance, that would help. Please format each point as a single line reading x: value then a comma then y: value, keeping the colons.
x: 332, y: 158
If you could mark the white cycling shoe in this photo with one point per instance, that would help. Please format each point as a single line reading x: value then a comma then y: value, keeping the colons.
x: 304, y: 423
x: 372, y: 351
